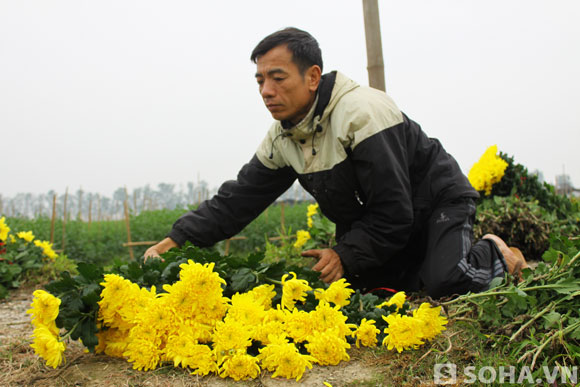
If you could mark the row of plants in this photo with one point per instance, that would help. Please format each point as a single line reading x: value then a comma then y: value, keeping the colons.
x: 23, y: 257
x: 102, y: 241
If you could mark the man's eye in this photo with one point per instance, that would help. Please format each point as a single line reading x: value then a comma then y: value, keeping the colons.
x: 277, y: 79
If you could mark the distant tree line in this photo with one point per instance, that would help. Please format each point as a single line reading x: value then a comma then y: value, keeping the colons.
x: 86, y: 206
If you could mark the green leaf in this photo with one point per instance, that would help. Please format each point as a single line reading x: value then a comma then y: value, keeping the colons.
x: 242, y: 279
x: 91, y: 294
x: 495, y: 282
x: 551, y: 255
x: 551, y: 319
x: 89, y: 272
x: 65, y: 284
x: 255, y: 259
x: 567, y: 286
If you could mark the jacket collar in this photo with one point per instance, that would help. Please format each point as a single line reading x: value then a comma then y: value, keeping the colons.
x: 306, y: 127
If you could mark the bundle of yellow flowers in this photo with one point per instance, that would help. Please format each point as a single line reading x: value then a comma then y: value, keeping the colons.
x: 310, y: 212
x: 47, y: 343
x: 193, y: 325
x: 409, y: 332
x: 487, y: 171
x: 4, y: 229
x: 302, y: 237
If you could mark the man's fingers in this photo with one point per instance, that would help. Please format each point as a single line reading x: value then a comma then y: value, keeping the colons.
x: 311, y: 253
x: 320, y: 265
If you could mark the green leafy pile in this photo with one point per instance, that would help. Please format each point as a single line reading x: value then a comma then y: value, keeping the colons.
x: 537, y: 319
x: 524, y: 212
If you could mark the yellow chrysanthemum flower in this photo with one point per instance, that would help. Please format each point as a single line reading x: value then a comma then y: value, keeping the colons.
x: 328, y: 348
x: 299, y: 325
x: 326, y: 317
x: 28, y: 236
x: 403, y: 332
x: 487, y: 171
x: 263, y: 294
x: 284, y: 359
x: 47, y: 346
x: 240, y: 366
x: 183, y: 349
x: 293, y: 290
x: 47, y: 250
x: 338, y: 293
x: 433, y: 322
x: 245, y: 310
x: 113, y: 342
x: 230, y: 336
x: 311, y: 211
x: 4, y: 229
x: 366, y: 333
x: 44, y: 310
x: 302, y: 237
x: 398, y: 299
x: 144, y: 354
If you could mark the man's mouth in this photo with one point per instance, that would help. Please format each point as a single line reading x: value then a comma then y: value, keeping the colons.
x: 273, y: 106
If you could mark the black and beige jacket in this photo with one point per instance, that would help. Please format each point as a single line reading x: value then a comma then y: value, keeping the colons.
x: 371, y: 169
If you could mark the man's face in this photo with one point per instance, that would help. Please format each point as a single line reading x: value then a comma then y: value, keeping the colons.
x: 288, y: 95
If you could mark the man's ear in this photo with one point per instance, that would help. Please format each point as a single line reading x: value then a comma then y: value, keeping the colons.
x: 313, y: 75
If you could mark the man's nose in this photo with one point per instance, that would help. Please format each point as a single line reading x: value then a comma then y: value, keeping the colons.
x: 267, y: 90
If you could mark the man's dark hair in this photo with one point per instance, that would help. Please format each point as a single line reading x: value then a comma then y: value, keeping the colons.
x: 304, y: 48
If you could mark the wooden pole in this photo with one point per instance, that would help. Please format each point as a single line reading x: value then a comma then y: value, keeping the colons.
x: 53, y: 219
x: 236, y: 238
x: 80, y: 215
x: 90, y: 209
x: 375, y: 64
x: 64, y: 218
x: 99, y: 214
x: 282, y: 221
x: 127, y: 225
x: 134, y: 203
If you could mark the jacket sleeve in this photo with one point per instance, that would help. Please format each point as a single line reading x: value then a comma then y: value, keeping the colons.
x: 236, y: 204
x: 381, y: 166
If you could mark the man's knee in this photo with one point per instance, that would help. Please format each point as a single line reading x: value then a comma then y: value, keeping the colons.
x: 445, y: 283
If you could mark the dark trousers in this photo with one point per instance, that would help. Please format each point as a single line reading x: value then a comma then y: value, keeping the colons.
x: 441, y: 256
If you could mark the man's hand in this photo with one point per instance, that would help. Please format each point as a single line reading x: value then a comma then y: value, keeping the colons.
x: 159, y: 248
x: 328, y: 264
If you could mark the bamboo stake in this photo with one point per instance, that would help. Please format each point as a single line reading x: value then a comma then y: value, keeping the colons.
x: 80, y: 215
x: 282, y: 220
x: 143, y: 243
x: 375, y: 66
x: 134, y: 202
x: 127, y: 225
x: 99, y: 215
x: 90, y: 209
x: 64, y: 219
x: 236, y: 238
x: 53, y: 219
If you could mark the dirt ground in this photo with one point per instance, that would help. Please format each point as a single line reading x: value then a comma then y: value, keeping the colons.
x: 19, y: 366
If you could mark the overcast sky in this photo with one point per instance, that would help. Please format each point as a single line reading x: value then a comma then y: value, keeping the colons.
x: 105, y: 94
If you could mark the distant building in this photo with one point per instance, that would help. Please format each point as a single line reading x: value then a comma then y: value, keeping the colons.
x: 564, y: 185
